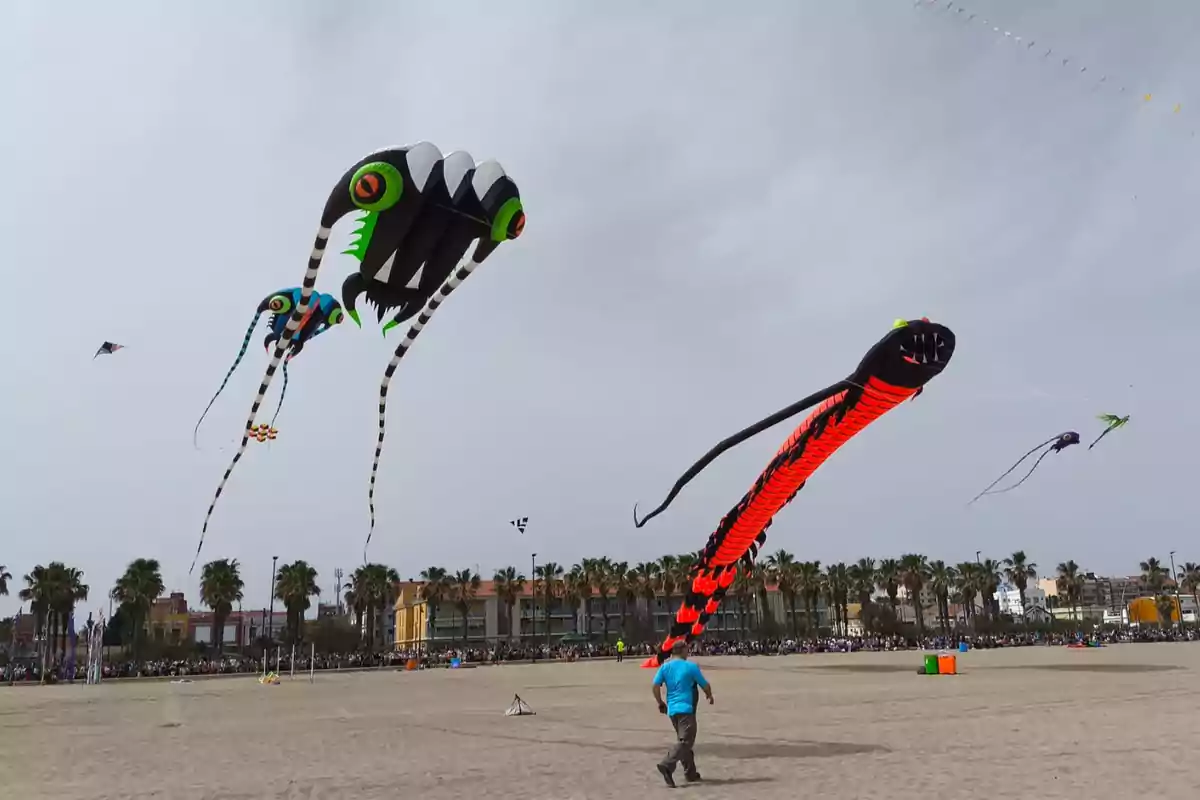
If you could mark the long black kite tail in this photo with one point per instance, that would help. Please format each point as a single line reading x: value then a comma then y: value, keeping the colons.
x: 1014, y: 466
x: 282, y: 394
x: 414, y: 331
x: 1027, y: 474
x: 298, y: 313
x: 738, y: 438
x: 1101, y: 436
x: 228, y: 375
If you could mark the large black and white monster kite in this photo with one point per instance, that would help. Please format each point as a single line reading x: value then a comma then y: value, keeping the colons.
x: 420, y: 213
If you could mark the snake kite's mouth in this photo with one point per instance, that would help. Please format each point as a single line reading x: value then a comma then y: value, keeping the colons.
x: 925, y: 349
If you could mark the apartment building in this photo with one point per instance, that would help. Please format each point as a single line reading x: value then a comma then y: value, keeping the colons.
x: 530, y: 620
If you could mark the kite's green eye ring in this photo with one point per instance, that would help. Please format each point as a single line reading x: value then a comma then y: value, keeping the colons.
x: 336, y: 316
x: 509, y: 221
x: 376, y: 186
x: 280, y: 304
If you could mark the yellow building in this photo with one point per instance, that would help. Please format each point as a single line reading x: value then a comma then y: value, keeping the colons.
x: 168, y: 619
x: 411, y: 614
x: 417, y: 626
x: 490, y: 620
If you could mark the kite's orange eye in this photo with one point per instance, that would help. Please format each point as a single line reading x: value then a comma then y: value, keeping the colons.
x: 518, y: 224
x: 376, y: 186
x: 368, y: 186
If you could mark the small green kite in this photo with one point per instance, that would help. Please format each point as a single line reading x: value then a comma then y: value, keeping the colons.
x: 1113, y: 422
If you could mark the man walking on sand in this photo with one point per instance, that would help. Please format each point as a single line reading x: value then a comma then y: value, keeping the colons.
x: 682, y: 678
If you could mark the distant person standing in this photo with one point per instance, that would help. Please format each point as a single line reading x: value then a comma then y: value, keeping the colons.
x: 682, y: 679
x: 620, y: 650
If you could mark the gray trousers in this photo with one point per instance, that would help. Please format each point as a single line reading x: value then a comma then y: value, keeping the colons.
x: 681, y: 751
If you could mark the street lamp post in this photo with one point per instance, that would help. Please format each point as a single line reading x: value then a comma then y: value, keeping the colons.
x: 1175, y: 580
x: 533, y: 597
x: 12, y: 663
x: 271, y: 619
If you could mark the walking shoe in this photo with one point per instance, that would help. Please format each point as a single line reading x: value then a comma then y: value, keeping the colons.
x: 693, y: 778
x: 665, y: 771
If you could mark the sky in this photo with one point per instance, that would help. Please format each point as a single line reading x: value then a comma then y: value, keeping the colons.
x: 726, y: 209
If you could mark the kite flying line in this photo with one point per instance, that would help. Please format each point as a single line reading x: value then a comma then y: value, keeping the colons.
x: 1039, y: 48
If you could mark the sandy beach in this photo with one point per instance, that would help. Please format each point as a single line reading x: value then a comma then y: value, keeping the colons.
x: 1045, y: 722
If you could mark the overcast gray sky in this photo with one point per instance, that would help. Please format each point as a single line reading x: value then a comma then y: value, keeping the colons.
x: 725, y: 211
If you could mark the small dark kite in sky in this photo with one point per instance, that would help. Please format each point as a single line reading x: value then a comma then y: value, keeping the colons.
x: 107, y: 349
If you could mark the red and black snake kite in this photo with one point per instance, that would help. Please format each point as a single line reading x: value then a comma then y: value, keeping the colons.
x: 894, y: 370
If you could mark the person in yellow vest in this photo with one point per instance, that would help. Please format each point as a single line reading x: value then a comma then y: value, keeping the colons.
x: 620, y: 650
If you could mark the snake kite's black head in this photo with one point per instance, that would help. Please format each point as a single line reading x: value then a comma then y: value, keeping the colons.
x: 912, y: 354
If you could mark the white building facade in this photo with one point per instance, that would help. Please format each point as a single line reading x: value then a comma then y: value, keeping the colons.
x: 1008, y: 597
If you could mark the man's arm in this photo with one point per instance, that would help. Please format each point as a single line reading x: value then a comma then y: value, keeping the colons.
x: 704, y: 685
x: 656, y: 690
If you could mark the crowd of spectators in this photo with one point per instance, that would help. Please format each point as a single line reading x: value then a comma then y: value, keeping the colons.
x: 509, y: 653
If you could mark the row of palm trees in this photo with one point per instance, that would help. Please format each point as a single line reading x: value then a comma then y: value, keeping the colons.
x: 973, y: 585
x: 53, y: 591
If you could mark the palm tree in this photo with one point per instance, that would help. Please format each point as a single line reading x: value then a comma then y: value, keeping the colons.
x: 5, y: 577
x: 685, y: 568
x: 1019, y: 570
x: 914, y: 571
x: 941, y: 581
x: 435, y: 587
x: 758, y: 583
x: 583, y: 572
x: 1164, y: 604
x: 969, y: 585
x: 221, y: 586
x: 39, y: 593
x: 356, y: 600
x: 808, y: 584
x: 509, y: 584
x: 1070, y: 585
x: 66, y: 588
x: 550, y: 575
x: 1189, y: 581
x: 841, y: 593
x: 989, y: 575
x: 624, y: 589
x: 464, y: 586
x: 742, y: 588
x: 575, y: 590
x: 861, y: 575
x: 782, y: 568
x: 374, y: 589
x: 294, y: 584
x: 135, y: 591
x: 887, y: 578
x: 645, y: 580
x: 1154, y: 575
x: 667, y: 575
x: 602, y: 578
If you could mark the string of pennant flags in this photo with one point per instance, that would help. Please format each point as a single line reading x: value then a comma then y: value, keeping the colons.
x: 1037, y: 48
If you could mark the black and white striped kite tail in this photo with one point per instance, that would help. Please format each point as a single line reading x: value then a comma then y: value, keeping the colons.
x: 306, y: 291
x: 228, y: 375
x: 414, y: 331
x: 282, y: 394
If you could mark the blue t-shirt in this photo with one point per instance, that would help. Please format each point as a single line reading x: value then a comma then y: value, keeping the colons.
x: 682, y: 678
